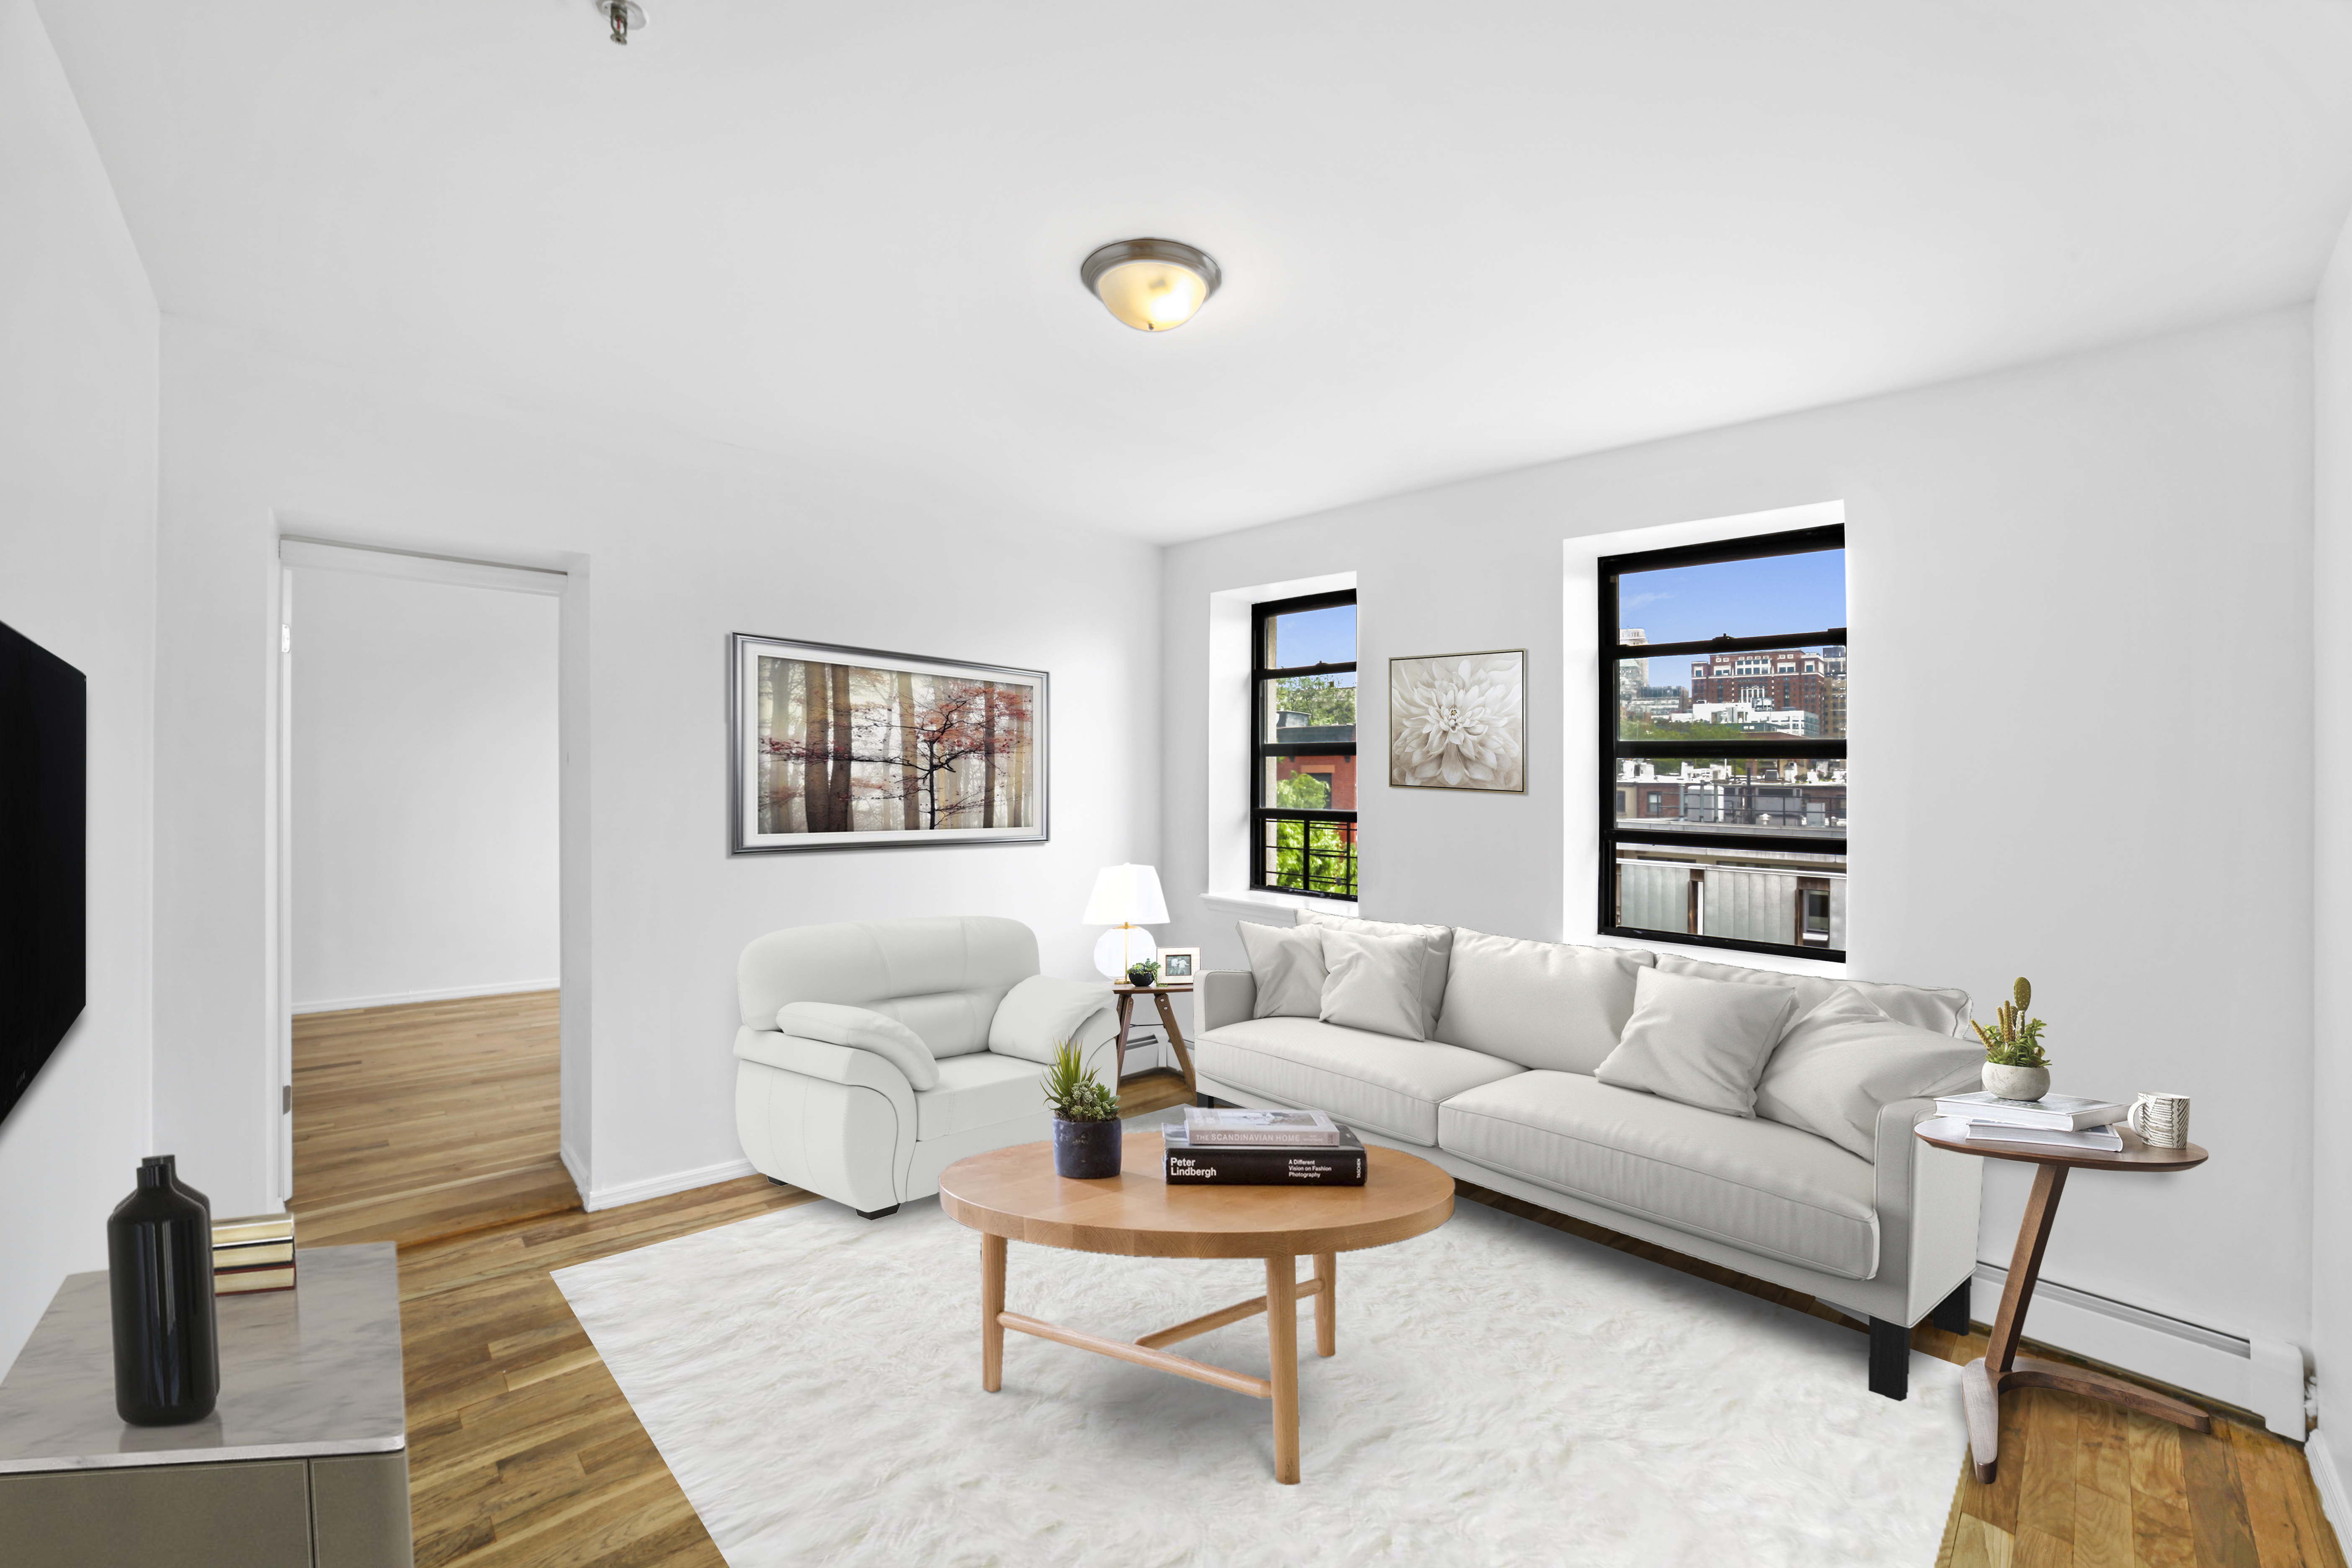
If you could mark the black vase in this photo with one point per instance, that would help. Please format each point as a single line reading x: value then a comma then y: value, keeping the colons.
x: 1087, y: 1150
x: 159, y: 1260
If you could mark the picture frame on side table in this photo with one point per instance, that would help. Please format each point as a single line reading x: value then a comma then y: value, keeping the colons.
x: 833, y: 747
x: 1178, y: 966
x: 1458, y: 721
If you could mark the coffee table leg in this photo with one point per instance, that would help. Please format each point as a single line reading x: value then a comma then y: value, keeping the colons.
x: 1327, y: 1304
x: 1282, y: 1340
x: 992, y: 1312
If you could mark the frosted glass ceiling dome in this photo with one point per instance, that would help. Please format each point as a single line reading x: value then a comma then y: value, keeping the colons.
x: 1152, y: 285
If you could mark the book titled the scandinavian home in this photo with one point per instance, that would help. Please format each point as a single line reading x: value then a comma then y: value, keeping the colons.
x: 2105, y: 1139
x: 1206, y: 1126
x: 2060, y: 1110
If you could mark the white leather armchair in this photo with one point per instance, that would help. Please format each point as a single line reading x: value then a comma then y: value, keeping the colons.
x: 847, y: 1123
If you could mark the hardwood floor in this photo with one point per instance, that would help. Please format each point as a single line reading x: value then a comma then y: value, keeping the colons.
x: 435, y: 1126
x: 2082, y: 1484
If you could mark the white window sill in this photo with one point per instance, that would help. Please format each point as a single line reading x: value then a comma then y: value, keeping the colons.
x: 1272, y: 909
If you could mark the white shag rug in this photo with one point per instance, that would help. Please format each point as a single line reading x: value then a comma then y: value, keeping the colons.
x: 1504, y: 1394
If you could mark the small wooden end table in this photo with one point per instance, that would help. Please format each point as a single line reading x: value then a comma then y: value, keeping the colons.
x: 1983, y: 1381
x: 1160, y: 994
x: 1013, y: 1195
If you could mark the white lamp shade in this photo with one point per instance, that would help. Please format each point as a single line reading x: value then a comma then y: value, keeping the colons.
x: 1126, y: 894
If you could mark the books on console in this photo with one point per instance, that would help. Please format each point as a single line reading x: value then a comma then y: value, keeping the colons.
x: 1260, y: 1129
x: 251, y: 1255
x: 1185, y: 1163
x: 2065, y: 1111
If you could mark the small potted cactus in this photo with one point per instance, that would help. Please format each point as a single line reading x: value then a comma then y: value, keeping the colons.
x: 2016, y: 1067
x: 1086, y: 1128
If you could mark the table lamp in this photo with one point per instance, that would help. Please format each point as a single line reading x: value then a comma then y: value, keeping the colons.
x: 1125, y: 898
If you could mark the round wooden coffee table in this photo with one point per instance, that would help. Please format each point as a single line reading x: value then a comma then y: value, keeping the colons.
x: 1983, y: 1381
x: 1013, y: 1195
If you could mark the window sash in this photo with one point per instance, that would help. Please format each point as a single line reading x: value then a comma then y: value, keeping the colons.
x: 1263, y: 811
x: 1761, y: 745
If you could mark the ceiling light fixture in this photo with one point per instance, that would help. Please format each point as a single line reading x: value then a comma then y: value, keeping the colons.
x: 624, y: 15
x: 1152, y: 285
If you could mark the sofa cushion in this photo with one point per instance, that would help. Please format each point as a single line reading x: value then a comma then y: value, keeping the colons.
x: 978, y: 1090
x: 1845, y: 1061
x: 865, y: 1029
x: 1287, y: 964
x: 1041, y: 1011
x: 1381, y: 1084
x: 1946, y: 1010
x: 1538, y: 1004
x: 1373, y: 983
x: 1438, y: 948
x: 1702, y: 1042
x: 1755, y: 1184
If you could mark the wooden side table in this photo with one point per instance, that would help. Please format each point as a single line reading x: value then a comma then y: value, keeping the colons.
x: 1983, y: 1381
x: 1160, y: 994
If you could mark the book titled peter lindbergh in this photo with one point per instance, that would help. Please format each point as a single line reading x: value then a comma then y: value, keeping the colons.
x: 1241, y: 1165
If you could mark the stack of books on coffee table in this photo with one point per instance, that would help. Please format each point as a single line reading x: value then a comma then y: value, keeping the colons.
x: 2055, y: 1121
x: 1240, y: 1148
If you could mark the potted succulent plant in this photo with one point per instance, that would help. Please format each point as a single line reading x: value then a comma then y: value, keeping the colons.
x: 1143, y: 972
x: 2016, y: 1067
x: 1086, y: 1130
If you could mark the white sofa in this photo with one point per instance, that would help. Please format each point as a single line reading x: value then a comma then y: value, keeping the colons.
x: 1502, y: 1095
x: 847, y: 1123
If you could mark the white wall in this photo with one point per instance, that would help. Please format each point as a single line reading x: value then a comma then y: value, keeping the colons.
x: 426, y: 852
x: 2011, y: 539
x: 2331, y: 1088
x: 77, y: 346
x: 673, y: 543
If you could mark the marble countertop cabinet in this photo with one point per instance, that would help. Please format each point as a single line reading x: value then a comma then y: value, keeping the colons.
x: 306, y: 1373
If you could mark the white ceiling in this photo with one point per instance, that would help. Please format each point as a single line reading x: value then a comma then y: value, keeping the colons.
x: 1456, y: 237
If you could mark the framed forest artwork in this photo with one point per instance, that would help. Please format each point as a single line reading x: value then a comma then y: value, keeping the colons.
x: 847, y: 748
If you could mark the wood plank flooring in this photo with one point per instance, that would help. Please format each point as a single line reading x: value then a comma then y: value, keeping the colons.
x: 435, y: 1126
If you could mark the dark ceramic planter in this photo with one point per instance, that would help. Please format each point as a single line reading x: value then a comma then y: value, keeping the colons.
x: 1142, y: 977
x: 158, y: 1247
x: 1087, y: 1150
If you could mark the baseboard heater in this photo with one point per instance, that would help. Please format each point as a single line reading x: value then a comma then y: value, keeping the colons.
x: 2260, y: 1375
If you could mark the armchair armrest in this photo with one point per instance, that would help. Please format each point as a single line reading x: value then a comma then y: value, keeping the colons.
x: 819, y: 1059
x: 1223, y: 996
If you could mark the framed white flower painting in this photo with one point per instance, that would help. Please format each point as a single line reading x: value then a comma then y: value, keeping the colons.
x: 1458, y: 721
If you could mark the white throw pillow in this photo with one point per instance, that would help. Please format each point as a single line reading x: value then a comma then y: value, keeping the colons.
x: 1846, y: 1058
x: 1437, y: 952
x: 1702, y: 1042
x: 867, y: 1031
x: 1373, y: 983
x: 1289, y: 966
x: 1043, y: 1010
x: 1945, y: 1011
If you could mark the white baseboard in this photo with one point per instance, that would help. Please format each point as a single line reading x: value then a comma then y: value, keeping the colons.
x: 660, y: 1186
x: 2263, y: 1375
x: 2330, y: 1481
x: 449, y: 994
x: 576, y: 1168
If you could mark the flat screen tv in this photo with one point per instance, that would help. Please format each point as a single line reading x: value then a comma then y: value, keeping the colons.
x: 43, y: 731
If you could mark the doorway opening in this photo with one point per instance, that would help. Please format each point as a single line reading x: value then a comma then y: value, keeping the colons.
x: 420, y: 895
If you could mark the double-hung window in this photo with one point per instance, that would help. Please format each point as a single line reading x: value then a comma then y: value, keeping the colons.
x: 1303, y: 745
x: 1723, y: 715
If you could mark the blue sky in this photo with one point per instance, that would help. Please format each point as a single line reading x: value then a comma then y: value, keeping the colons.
x: 1745, y: 598
x: 1316, y: 637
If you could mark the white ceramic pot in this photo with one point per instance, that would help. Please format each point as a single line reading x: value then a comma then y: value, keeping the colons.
x: 2016, y: 1083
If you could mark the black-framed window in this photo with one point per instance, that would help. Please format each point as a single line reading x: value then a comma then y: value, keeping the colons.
x: 1303, y: 745
x: 1723, y: 740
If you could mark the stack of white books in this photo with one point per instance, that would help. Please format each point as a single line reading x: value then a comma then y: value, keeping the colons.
x: 2055, y: 1121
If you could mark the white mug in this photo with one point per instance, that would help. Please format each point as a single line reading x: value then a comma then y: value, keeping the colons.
x: 2162, y: 1119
